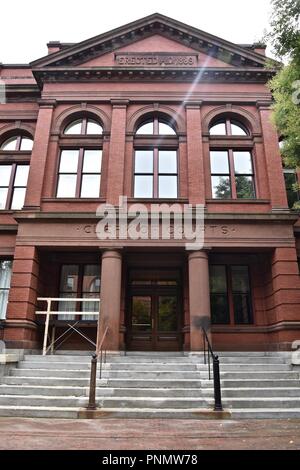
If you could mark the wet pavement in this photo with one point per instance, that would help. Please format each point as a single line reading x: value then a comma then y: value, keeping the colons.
x: 143, y: 434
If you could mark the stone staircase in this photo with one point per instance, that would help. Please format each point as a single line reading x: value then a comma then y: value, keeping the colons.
x: 149, y: 385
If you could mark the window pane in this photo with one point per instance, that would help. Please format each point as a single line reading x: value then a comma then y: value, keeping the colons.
x: 69, y: 278
x: 92, y: 161
x: 218, y: 279
x: 240, y: 279
x: 218, y: 129
x: 5, y: 171
x: 18, y: 198
x: 165, y: 129
x: 221, y: 188
x: 90, y: 186
x: 5, y: 273
x: 21, y: 175
x: 69, y: 161
x: 237, y: 130
x: 91, y: 278
x: 143, y: 186
x: 26, y: 144
x: 219, y: 162
x: 293, y: 196
x: 244, y: 187
x: 74, y: 127
x: 167, y: 161
x: 167, y: 186
x: 167, y: 313
x: 242, y: 309
x: 147, y: 129
x: 219, y: 309
x: 141, y: 313
x: 10, y: 144
x: 242, y: 163
x: 3, y: 197
x: 93, y: 127
x: 66, y: 186
x: 144, y: 161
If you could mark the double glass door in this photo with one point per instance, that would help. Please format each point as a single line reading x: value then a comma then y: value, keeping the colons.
x: 154, y: 319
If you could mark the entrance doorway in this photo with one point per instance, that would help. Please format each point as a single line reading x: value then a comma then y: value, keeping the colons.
x: 154, y: 311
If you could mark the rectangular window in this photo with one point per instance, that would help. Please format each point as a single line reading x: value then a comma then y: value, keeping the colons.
x: 79, y: 173
x: 219, y: 295
x: 5, y: 277
x: 13, y: 183
x: 290, y: 179
x: 241, y: 295
x: 156, y: 174
x: 232, y: 174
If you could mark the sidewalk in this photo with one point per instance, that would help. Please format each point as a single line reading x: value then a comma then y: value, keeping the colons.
x: 117, y: 434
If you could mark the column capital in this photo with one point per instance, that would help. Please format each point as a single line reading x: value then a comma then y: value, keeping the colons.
x: 44, y: 103
x: 193, y: 104
x: 199, y: 254
x: 112, y: 253
x: 264, y: 105
x: 119, y: 103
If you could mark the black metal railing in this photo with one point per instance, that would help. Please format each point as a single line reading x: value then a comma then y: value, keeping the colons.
x: 208, y: 356
x: 101, y: 355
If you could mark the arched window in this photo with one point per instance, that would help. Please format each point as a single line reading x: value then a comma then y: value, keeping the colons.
x: 79, y: 171
x: 232, y: 171
x: 156, y: 160
x: 228, y: 127
x: 15, y: 153
x: 84, y: 126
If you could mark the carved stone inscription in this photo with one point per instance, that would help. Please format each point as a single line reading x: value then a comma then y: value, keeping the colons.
x: 157, y: 60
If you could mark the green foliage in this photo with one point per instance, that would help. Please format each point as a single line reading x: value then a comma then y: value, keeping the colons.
x: 285, y: 33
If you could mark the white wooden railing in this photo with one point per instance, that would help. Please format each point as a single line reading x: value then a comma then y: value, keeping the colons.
x: 49, y: 312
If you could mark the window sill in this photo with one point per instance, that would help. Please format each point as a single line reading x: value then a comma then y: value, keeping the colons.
x: 73, y: 199
x: 158, y: 200
x: 238, y: 201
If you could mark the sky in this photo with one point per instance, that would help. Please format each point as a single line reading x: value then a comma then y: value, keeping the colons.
x: 27, y: 25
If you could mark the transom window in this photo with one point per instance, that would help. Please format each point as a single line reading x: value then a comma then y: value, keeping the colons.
x: 156, y: 174
x: 232, y: 174
x: 17, y: 144
x: 5, y: 276
x: 79, y: 173
x: 155, y: 126
x: 228, y: 127
x: 230, y: 294
x: 83, y: 126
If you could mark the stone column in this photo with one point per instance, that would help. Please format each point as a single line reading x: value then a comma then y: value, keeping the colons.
x: 39, y: 155
x: 116, y: 160
x: 199, y: 297
x: 110, y: 305
x: 273, y: 158
x: 196, y: 183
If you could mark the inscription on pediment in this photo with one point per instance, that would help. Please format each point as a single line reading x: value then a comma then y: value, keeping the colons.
x: 159, y: 59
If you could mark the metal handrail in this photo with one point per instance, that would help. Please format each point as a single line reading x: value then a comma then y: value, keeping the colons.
x: 216, y: 370
x: 93, y: 376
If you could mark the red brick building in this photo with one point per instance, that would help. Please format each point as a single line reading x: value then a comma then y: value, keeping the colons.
x: 159, y: 112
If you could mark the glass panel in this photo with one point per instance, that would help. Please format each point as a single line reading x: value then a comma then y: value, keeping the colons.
x: 3, y: 197
x: 218, y: 129
x: 18, y: 199
x: 167, y: 313
x: 143, y: 186
x: 141, y: 313
x: 5, y: 276
x: 165, y: 129
x: 10, y: 144
x: 167, y: 162
x: 69, y: 161
x: 218, y: 279
x: 242, y: 163
x: 21, y: 175
x: 293, y: 196
x: 92, y: 161
x: 91, y: 288
x: 90, y: 186
x: 69, y: 278
x: 93, y: 127
x: 26, y: 144
x: 146, y: 129
x: 237, y: 130
x: 219, y: 309
x: 242, y: 309
x: 74, y: 127
x: 5, y: 171
x: 221, y: 188
x: 219, y: 162
x: 67, y: 306
x: 244, y: 187
x: 240, y: 279
x: 144, y: 161
x: 66, y: 186
x: 167, y: 186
